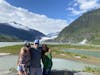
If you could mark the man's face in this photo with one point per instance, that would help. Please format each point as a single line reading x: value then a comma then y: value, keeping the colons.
x: 36, y: 45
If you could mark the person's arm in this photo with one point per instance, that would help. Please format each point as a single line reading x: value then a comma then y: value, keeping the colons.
x: 20, y: 57
x: 49, y: 53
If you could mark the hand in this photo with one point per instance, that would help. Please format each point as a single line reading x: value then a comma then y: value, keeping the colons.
x: 22, y: 65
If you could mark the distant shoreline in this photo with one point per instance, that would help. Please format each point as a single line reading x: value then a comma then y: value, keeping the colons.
x: 3, y: 54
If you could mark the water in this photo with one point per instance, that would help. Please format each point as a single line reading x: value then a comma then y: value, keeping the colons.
x: 6, y: 62
x: 3, y: 44
x: 63, y: 64
x: 85, y: 52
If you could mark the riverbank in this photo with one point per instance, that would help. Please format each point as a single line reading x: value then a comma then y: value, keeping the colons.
x: 4, y: 44
x: 8, y: 63
x: 57, y: 52
x: 4, y: 54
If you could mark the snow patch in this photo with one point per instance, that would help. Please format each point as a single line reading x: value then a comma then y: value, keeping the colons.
x: 83, y: 41
x: 50, y: 36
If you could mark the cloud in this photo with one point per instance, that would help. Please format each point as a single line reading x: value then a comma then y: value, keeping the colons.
x: 9, y: 13
x: 88, y: 4
x: 0, y: 1
x: 81, y: 6
x: 74, y: 11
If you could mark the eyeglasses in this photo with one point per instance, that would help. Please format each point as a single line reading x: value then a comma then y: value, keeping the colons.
x: 37, y: 43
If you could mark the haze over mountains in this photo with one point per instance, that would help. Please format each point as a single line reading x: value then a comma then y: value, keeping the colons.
x: 86, y: 27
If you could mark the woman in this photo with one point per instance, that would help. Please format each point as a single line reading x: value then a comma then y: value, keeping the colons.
x: 24, y: 60
x: 46, y: 59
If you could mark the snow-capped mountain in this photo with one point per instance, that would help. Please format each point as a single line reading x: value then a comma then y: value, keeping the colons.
x: 53, y: 34
x: 27, y: 19
x: 50, y: 36
x: 25, y: 25
x: 18, y: 33
x: 17, y: 25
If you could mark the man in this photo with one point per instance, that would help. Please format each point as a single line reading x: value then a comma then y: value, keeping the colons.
x: 35, y: 51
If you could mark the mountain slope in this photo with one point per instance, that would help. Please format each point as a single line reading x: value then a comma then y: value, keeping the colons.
x: 86, y: 27
x: 18, y: 34
x: 7, y: 38
x: 50, y: 37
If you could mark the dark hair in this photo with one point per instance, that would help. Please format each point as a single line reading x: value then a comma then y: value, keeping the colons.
x: 27, y: 44
x: 46, y: 48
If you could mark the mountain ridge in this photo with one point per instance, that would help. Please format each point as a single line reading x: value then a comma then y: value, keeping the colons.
x: 18, y: 33
x: 85, y: 27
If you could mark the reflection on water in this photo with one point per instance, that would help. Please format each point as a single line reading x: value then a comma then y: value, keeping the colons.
x: 85, y: 52
x: 7, y: 62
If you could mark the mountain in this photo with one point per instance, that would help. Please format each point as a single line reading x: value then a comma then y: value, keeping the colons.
x: 50, y: 37
x: 10, y: 33
x: 53, y: 34
x: 7, y: 38
x: 86, y: 27
x: 28, y: 19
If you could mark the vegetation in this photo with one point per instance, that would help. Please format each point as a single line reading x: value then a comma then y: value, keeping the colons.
x: 91, y: 69
x: 8, y: 32
x: 56, y: 48
x: 13, y: 70
x: 58, y: 53
x: 4, y: 38
x: 85, y: 27
x: 67, y: 46
x: 11, y: 49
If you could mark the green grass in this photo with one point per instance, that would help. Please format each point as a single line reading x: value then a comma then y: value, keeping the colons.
x: 56, y: 51
x: 11, y: 49
x: 55, y: 48
x: 67, y: 46
x: 13, y: 70
x: 90, y: 69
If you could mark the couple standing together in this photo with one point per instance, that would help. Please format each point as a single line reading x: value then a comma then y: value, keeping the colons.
x: 29, y: 60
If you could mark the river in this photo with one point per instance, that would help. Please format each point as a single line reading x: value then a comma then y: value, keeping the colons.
x: 8, y: 61
x: 84, y: 52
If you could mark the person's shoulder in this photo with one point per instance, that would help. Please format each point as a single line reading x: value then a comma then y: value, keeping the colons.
x: 40, y: 47
x: 22, y: 50
x: 32, y: 48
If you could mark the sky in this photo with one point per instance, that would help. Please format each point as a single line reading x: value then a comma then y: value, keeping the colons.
x: 47, y: 16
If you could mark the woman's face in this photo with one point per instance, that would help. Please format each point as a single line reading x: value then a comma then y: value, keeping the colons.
x: 44, y: 47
